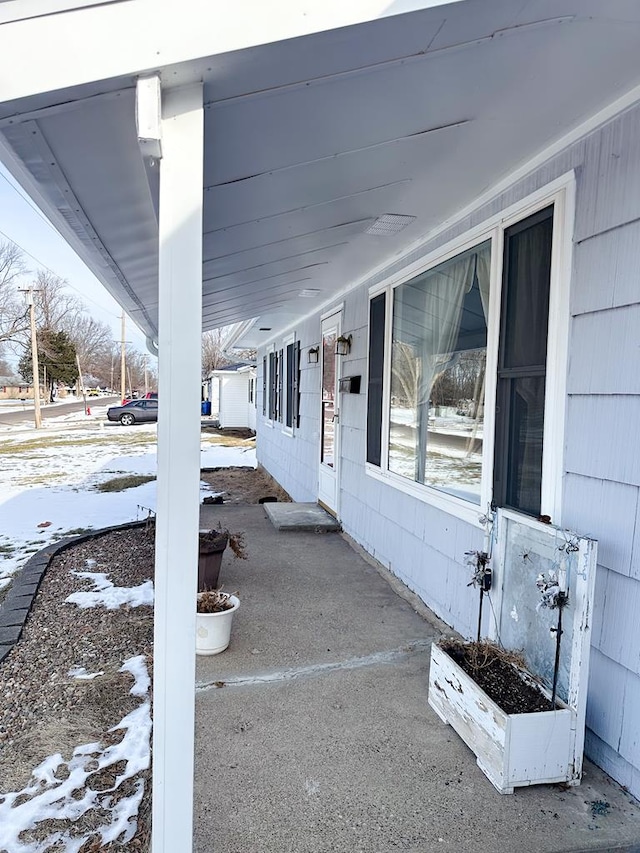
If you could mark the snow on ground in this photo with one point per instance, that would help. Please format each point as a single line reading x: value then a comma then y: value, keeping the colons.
x: 51, y: 474
x: 81, y: 673
x: 50, y: 793
x: 105, y: 594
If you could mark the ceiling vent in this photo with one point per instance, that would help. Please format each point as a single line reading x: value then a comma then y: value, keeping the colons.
x: 309, y: 292
x: 389, y: 224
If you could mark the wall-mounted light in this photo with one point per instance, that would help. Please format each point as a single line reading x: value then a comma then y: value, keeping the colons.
x: 313, y: 355
x: 343, y: 345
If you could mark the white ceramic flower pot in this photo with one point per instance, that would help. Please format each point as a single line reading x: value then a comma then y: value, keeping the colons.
x: 213, y: 630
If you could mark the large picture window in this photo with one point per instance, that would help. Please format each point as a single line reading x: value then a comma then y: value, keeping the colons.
x: 466, y: 378
x: 438, y: 359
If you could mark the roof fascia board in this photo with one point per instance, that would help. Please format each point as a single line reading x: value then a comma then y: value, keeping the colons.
x: 234, y: 333
x: 20, y: 10
x: 107, y: 275
x: 77, y: 46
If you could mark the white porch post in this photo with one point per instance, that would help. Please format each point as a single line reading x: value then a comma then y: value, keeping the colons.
x: 180, y: 327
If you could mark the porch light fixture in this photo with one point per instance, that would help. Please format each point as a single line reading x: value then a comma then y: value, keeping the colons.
x: 313, y: 355
x: 343, y: 345
x: 389, y: 224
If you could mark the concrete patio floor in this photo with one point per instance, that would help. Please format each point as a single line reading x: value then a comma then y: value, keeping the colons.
x: 313, y: 731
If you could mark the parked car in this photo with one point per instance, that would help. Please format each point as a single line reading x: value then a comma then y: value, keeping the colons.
x: 135, y: 411
x: 151, y: 395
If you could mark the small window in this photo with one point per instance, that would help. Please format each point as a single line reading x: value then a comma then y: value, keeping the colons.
x: 273, y: 386
x: 377, y: 319
x: 280, y: 385
x: 290, y: 386
x: 522, y: 359
x: 264, y: 386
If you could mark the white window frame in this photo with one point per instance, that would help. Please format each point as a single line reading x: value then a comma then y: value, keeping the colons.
x: 561, y: 194
x: 286, y: 430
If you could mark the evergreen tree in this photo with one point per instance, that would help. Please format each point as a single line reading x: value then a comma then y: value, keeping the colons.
x: 56, y: 353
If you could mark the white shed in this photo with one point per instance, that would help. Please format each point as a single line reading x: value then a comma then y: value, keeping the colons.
x: 236, y: 394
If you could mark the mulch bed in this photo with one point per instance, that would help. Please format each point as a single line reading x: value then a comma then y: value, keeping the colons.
x: 243, y: 485
x: 493, y: 670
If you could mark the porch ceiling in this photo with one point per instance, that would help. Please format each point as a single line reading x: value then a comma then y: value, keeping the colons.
x: 309, y: 140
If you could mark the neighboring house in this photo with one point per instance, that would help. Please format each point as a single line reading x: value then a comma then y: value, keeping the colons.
x: 452, y: 195
x: 234, y: 389
x: 11, y: 389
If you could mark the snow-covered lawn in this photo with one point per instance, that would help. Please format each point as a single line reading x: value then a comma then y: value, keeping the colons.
x: 49, y: 476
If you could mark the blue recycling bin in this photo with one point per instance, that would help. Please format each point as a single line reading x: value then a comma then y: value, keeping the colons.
x: 206, y: 407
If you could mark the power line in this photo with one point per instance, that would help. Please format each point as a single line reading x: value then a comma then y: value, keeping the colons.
x: 26, y: 199
x: 53, y: 272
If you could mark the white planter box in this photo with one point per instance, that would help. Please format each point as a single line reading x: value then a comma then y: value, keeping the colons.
x: 511, y: 749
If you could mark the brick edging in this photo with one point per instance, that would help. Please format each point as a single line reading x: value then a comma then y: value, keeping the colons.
x: 17, y: 604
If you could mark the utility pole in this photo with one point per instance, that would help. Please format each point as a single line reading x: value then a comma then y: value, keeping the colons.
x: 83, y: 392
x: 123, y: 375
x: 35, y: 369
x: 111, y: 385
x: 146, y: 377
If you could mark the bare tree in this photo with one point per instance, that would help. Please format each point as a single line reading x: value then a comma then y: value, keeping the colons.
x: 93, y: 342
x: 212, y: 354
x: 136, y: 364
x: 56, y: 308
x: 405, y: 374
x: 14, y: 316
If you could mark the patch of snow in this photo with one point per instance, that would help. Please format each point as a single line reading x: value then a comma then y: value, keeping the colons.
x: 138, y: 668
x: 214, y: 456
x: 81, y: 673
x: 52, y: 798
x: 106, y: 594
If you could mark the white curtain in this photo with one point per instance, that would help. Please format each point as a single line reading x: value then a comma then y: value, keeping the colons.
x: 443, y: 301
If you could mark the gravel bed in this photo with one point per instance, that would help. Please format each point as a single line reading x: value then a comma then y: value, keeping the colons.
x: 43, y: 709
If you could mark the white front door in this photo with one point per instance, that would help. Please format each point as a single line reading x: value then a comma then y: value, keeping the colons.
x: 329, y: 415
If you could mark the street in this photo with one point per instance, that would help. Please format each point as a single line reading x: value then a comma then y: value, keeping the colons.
x: 54, y: 410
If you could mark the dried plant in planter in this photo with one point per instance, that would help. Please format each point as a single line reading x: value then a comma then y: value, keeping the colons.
x: 214, y: 601
x: 220, y: 537
x: 497, y: 672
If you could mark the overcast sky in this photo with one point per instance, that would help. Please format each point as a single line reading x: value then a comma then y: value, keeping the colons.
x: 22, y: 223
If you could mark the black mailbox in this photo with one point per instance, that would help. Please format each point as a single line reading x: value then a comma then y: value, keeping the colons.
x: 350, y: 385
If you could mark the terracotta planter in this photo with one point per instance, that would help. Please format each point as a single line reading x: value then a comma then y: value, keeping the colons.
x: 210, y: 551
